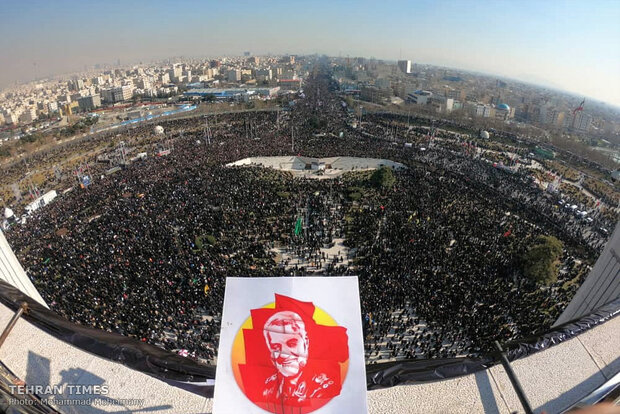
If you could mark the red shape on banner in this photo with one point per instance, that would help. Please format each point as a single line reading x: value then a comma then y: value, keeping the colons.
x: 292, y: 363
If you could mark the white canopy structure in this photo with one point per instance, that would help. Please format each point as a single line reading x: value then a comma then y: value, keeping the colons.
x: 13, y: 273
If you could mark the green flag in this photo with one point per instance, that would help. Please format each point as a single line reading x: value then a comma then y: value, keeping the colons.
x: 298, y: 226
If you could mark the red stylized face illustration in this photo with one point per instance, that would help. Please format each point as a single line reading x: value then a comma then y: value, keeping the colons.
x: 287, y: 339
x: 290, y: 357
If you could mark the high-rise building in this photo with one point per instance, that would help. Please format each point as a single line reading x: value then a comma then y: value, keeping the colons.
x: 176, y: 72
x: 551, y: 116
x: 482, y: 110
x: 404, y: 66
x: 582, y: 121
x: 28, y: 116
x: 52, y: 106
x: 558, y: 118
x: 117, y: 94
x: 144, y: 83
x: 88, y: 103
x: 263, y: 75
x: 234, y: 75
x: 456, y: 94
x: 10, y: 118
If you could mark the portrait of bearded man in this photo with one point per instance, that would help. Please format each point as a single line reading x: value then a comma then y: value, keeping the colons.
x: 299, y: 370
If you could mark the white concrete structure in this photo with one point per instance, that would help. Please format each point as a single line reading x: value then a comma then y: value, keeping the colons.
x: 41, y: 201
x: 13, y: 273
x: 602, y: 285
x: 419, y: 97
x: 310, y: 167
x: 553, y: 380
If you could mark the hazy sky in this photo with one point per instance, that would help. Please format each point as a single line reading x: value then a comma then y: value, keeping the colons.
x: 574, y: 45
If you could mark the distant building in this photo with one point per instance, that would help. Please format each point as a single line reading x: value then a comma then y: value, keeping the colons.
x: 232, y: 93
x: 65, y: 97
x: 404, y: 66
x: 290, y: 84
x: 28, y: 116
x: 88, y: 103
x: 502, y: 111
x: 419, y: 97
x: 551, y: 116
x: 11, y: 118
x: 456, y: 94
x: 176, y: 71
x: 374, y: 94
x: 482, y: 110
x: 144, y: 83
x: 441, y: 103
x: 52, y: 106
x: 234, y: 75
x: 558, y: 118
x: 75, y: 85
x: 287, y: 74
x: 383, y: 83
x: 263, y: 75
x: 246, y: 75
x: 76, y: 96
x: 582, y: 121
x: 268, y: 92
x: 117, y: 94
x: 68, y: 108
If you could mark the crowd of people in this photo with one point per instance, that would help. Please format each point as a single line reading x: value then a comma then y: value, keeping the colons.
x: 145, y: 252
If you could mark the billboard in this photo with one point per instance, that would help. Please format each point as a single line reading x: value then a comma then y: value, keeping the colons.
x: 291, y: 345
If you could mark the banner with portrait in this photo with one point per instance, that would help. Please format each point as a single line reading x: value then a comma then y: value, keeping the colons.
x: 291, y: 345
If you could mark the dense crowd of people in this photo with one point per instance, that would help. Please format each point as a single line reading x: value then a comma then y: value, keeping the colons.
x: 145, y: 252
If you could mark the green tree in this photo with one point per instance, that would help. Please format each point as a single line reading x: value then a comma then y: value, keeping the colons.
x: 383, y: 178
x: 540, y: 262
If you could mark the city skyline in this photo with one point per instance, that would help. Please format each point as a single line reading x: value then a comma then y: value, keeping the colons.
x: 564, y: 45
